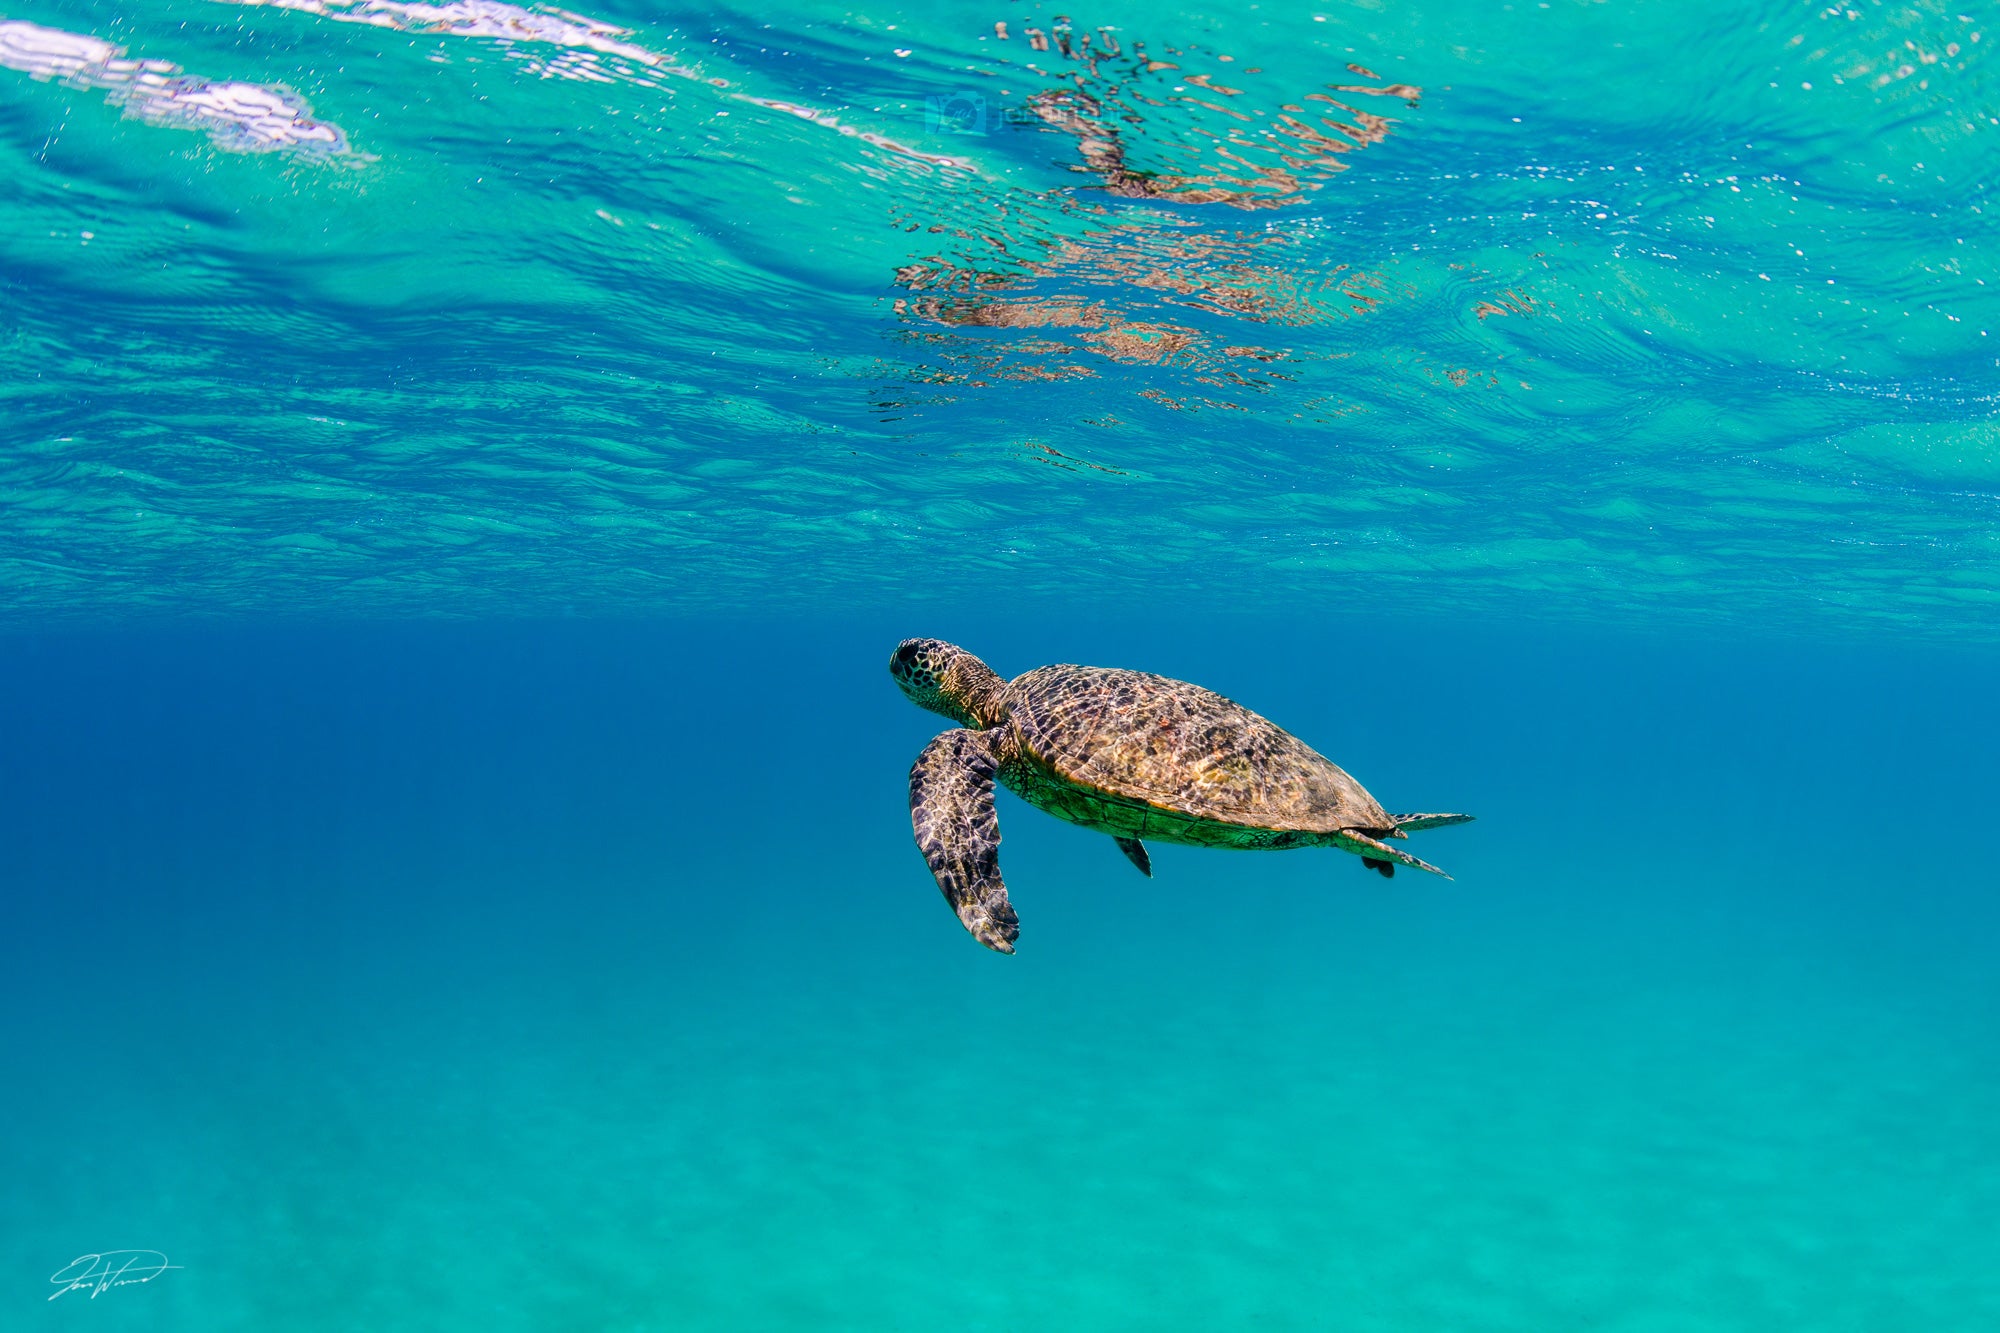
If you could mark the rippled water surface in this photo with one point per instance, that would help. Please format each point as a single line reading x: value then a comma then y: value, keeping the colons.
x: 1662, y: 312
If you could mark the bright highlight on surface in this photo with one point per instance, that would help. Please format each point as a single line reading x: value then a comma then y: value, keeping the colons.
x: 238, y: 117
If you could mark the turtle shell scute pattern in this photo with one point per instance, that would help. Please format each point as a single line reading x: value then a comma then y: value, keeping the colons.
x: 1137, y: 738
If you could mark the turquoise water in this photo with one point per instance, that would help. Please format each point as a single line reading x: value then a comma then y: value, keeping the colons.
x: 463, y: 470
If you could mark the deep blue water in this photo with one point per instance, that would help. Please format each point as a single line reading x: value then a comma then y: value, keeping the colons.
x: 584, y: 976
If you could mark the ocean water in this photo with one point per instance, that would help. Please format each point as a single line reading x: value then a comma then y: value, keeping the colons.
x: 464, y: 468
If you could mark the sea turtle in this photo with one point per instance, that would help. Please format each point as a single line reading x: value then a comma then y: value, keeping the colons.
x: 1128, y: 753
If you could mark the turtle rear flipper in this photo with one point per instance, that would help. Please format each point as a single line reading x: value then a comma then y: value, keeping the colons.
x: 1375, y: 853
x: 1417, y: 823
x: 951, y: 811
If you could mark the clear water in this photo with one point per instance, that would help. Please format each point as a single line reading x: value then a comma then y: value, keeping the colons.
x: 462, y: 471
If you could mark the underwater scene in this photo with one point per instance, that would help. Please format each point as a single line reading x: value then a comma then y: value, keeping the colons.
x: 549, y: 561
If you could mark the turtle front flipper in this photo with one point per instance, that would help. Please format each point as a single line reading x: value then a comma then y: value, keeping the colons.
x: 1135, y: 852
x: 951, y: 810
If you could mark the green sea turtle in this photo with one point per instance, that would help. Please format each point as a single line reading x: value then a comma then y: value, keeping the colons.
x: 1127, y: 753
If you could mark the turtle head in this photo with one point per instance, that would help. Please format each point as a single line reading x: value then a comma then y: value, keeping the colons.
x: 946, y: 679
